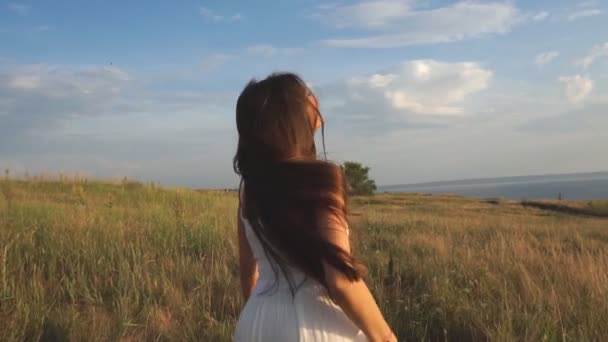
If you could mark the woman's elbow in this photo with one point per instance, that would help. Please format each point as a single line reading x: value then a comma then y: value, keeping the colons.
x: 338, y: 285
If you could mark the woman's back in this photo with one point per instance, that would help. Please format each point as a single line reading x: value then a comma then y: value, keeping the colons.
x: 272, y: 313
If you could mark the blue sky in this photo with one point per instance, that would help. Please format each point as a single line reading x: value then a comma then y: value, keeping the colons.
x: 420, y: 90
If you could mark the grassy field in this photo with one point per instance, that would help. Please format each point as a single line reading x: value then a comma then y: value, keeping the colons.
x: 92, y: 261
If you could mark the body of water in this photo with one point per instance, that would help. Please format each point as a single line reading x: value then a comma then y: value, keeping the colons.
x: 591, y: 186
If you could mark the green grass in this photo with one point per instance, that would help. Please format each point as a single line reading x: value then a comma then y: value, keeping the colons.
x: 88, y: 261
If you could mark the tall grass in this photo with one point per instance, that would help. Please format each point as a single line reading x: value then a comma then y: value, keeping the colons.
x: 108, y: 262
x: 82, y: 260
x: 467, y: 270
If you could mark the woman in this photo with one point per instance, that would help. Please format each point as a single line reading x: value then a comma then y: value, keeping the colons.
x: 297, y: 273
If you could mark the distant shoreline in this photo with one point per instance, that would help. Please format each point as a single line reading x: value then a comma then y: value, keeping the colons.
x: 499, y: 180
x: 578, y: 186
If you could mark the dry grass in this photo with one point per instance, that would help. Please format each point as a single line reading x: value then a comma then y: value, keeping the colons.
x: 469, y: 270
x: 92, y: 261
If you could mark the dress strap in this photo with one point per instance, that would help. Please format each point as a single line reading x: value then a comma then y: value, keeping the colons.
x: 241, y: 200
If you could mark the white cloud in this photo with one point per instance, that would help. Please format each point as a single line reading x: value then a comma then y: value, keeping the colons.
x: 25, y: 82
x: 378, y: 13
x: 416, y: 113
x: 262, y: 49
x: 211, y: 15
x: 545, y: 57
x: 584, y: 14
x: 19, y: 8
x: 381, y: 81
x: 41, y: 97
x: 540, y: 16
x: 61, y: 82
x: 56, y: 117
x: 419, y: 88
x: 577, y: 87
x: 214, y: 61
x: 589, y: 3
x: 596, y: 52
x: 403, y: 25
x: 268, y: 50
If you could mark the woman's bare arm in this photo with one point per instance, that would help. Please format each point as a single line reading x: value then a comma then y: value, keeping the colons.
x: 354, y: 298
x: 247, y: 264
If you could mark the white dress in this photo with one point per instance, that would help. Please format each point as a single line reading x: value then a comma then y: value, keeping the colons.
x: 273, y: 314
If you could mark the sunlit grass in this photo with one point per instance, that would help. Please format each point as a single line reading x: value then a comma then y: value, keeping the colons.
x: 82, y: 260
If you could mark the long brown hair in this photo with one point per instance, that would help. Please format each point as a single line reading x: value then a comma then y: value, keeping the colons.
x: 287, y: 190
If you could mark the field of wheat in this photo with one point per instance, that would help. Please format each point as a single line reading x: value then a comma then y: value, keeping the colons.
x: 102, y: 261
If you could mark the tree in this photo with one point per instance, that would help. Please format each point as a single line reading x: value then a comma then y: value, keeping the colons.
x: 357, y: 178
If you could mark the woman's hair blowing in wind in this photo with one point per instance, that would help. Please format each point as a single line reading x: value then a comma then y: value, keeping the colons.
x: 288, y: 192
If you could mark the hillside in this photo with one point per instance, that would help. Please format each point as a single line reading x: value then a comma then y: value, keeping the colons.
x: 99, y: 261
